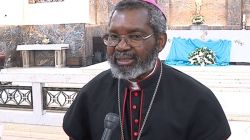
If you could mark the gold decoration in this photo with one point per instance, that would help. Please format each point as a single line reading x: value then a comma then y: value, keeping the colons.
x: 198, y: 19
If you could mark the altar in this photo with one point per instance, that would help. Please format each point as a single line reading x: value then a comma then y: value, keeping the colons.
x: 198, y: 52
x: 27, y: 52
x: 234, y: 45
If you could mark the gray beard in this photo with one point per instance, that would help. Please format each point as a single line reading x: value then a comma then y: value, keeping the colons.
x: 132, y: 72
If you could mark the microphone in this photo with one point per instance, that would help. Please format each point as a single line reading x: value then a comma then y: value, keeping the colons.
x: 111, y: 121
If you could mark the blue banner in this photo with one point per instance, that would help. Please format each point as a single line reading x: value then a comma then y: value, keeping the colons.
x: 182, y: 48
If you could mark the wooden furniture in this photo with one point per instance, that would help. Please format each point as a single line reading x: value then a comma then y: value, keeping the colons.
x: 27, y: 52
x: 2, y: 59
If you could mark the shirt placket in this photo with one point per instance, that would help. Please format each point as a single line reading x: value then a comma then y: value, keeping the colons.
x: 135, y: 110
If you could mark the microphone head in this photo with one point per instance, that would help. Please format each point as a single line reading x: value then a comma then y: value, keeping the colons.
x: 111, y: 121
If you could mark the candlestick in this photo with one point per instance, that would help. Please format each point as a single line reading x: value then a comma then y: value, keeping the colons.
x: 244, y: 18
x: 244, y: 21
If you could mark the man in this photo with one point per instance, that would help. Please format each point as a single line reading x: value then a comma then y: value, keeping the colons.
x: 154, y: 101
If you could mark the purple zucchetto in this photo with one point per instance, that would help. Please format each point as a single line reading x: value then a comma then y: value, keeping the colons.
x: 153, y: 2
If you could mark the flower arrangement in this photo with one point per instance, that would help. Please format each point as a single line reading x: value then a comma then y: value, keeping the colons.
x: 202, y: 56
x: 45, y: 40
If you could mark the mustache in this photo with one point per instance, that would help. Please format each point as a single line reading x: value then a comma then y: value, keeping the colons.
x: 123, y: 55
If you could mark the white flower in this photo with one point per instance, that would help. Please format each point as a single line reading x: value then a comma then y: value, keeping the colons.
x: 202, y: 56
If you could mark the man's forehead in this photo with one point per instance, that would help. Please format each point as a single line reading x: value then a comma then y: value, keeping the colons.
x: 134, y: 9
x: 129, y: 21
x: 130, y: 16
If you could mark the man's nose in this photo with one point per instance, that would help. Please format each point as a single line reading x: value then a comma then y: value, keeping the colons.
x: 123, y: 45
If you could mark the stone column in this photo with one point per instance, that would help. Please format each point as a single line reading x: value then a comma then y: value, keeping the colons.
x: 246, y: 11
x: 93, y: 11
x: 234, y: 11
x: 102, y: 11
x: 165, y: 5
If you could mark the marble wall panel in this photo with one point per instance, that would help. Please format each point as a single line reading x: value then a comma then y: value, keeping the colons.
x: 72, y: 34
x: 10, y: 37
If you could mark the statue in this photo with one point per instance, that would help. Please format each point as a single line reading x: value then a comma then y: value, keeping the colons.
x: 198, y: 4
x: 198, y: 18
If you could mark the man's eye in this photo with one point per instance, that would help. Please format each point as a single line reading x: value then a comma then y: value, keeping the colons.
x: 135, y: 37
x: 114, y: 37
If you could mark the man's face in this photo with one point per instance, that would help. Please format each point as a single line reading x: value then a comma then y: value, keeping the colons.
x: 132, y: 60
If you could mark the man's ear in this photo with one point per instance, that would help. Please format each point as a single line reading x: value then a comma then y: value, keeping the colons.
x: 162, y: 39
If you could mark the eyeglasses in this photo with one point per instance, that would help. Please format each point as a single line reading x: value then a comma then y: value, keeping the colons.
x: 112, y: 40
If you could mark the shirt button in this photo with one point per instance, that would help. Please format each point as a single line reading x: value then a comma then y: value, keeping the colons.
x: 134, y: 107
x: 135, y: 134
x: 136, y: 121
x: 136, y: 94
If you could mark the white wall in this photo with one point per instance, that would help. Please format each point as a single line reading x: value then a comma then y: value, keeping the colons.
x: 20, y: 12
x: 11, y: 12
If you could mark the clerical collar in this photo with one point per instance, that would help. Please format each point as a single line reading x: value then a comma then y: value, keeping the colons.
x: 134, y: 86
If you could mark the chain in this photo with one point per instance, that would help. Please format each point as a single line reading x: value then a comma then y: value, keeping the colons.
x: 119, y: 109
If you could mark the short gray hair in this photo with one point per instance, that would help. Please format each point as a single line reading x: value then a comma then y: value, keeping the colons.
x: 156, y: 18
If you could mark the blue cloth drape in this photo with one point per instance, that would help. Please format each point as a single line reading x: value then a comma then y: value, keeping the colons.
x: 181, y: 48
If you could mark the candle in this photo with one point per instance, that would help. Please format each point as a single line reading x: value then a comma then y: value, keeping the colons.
x: 244, y: 18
